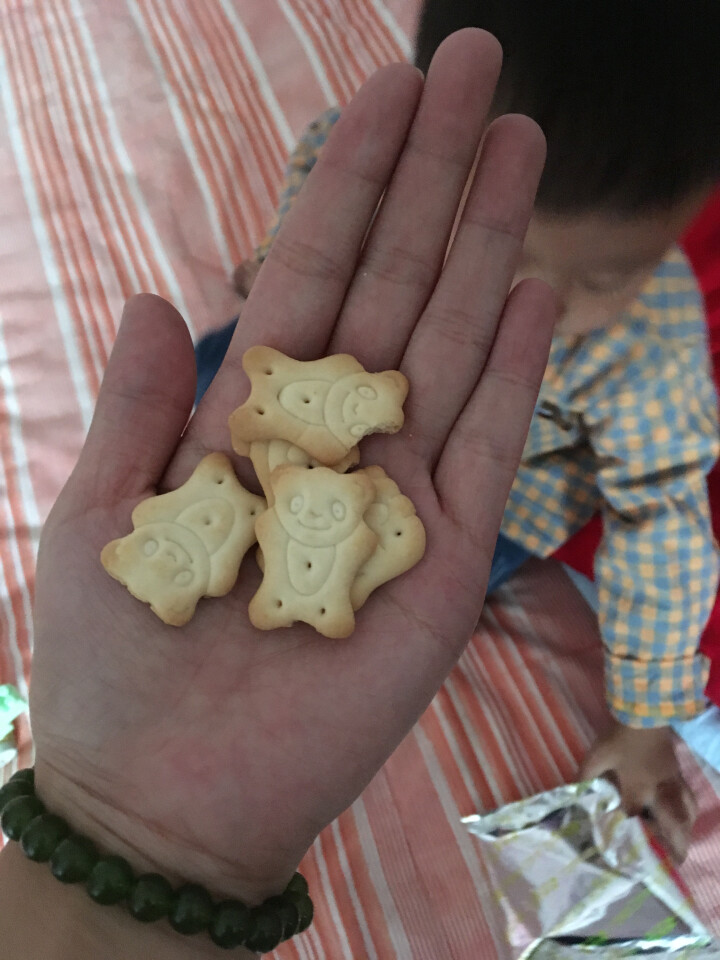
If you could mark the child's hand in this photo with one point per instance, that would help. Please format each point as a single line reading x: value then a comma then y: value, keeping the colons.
x: 643, y: 766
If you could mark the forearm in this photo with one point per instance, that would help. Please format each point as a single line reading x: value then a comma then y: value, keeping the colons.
x: 43, y: 919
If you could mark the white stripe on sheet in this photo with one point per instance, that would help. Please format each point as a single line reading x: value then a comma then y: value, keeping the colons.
x: 395, y: 927
x: 10, y: 636
x: 47, y: 255
x: 17, y: 444
x: 401, y: 38
x: 356, y: 902
x: 473, y: 739
x: 141, y: 209
x: 184, y: 136
x: 40, y: 132
x: 464, y: 841
x: 220, y: 162
x: 263, y: 81
x: 329, y: 900
x: 310, y: 52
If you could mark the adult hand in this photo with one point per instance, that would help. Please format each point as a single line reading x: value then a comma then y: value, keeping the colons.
x: 216, y: 752
x: 643, y: 765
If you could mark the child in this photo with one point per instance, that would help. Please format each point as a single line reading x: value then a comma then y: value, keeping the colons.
x: 626, y: 423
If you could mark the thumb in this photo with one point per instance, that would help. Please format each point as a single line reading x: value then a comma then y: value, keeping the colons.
x: 144, y: 403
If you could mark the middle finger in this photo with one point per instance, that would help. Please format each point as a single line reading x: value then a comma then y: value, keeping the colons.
x: 404, y: 252
x: 453, y: 339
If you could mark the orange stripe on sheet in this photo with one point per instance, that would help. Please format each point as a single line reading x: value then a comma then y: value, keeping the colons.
x: 16, y: 555
x: 524, y: 708
x: 9, y: 670
x: 445, y: 854
x: 51, y: 182
x: 363, y: 890
x: 329, y: 928
x: 388, y: 49
x: 153, y: 20
x: 128, y: 224
x: 485, y: 714
x: 16, y: 526
x: 214, y: 141
x: 531, y: 694
x: 394, y: 870
x: 76, y: 236
x: 234, y: 180
x: 466, y: 744
x: 440, y: 725
x: 336, y: 856
x: 335, y: 70
x: 16, y: 603
x: 341, y: 40
x: 268, y: 149
x: 545, y: 700
x: 356, y: 35
x: 560, y: 696
x: 88, y: 128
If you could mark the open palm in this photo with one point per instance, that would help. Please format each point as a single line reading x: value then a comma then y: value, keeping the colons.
x: 217, y: 752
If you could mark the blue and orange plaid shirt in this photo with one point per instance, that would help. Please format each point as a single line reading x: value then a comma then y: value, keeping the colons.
x: 626, y: 424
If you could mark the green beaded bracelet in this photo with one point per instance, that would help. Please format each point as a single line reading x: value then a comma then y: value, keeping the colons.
x: 148, y: 897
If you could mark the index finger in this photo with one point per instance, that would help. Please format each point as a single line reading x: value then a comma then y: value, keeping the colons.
x: 296, y: 298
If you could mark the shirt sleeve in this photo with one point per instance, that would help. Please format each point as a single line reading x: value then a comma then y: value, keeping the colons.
x: 657, y: 566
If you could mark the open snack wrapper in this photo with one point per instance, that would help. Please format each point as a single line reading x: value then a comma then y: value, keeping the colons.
x: 576, y: 878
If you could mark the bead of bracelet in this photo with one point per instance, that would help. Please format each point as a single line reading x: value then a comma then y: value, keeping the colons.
x: 230, y: 924
x: 110, y: 880
x: 41, y: 837
x: 149, y: 897
x: 73, y: 859
x: 18, y: 813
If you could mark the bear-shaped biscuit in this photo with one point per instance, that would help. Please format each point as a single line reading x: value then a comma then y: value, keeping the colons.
x: 400, y: 532
x: 188, y: 543
x: 267, y: 455
x: 314, y: 540
x: 323, y: 406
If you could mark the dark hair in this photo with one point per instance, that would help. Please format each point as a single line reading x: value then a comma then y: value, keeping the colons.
x: 626, y: 91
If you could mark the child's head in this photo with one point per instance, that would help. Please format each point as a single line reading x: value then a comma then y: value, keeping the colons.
x: 628, y: 95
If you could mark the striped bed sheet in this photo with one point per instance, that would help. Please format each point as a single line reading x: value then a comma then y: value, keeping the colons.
x: 142, y: 146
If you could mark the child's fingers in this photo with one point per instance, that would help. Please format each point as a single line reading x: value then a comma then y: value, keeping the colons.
x: 145, y: 400
x: 453, y: 338
x: 480, y: 458
x: 673, y: 813
x: 296, y: 298
x: 404, y: 253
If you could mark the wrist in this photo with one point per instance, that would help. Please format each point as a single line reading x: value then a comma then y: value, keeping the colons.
x: 43, y: 919
x: 632, y: 727
x: 154, y: 846
x: 175, y: 900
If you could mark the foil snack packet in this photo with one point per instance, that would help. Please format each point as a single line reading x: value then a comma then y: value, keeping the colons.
x: 576, y: 878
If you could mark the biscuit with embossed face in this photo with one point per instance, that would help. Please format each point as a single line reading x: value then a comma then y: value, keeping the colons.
x: 314, y: 540
x: 188, y: 543
x: 400, y: 532
x: 267, y: 455
x: 325, y: 406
